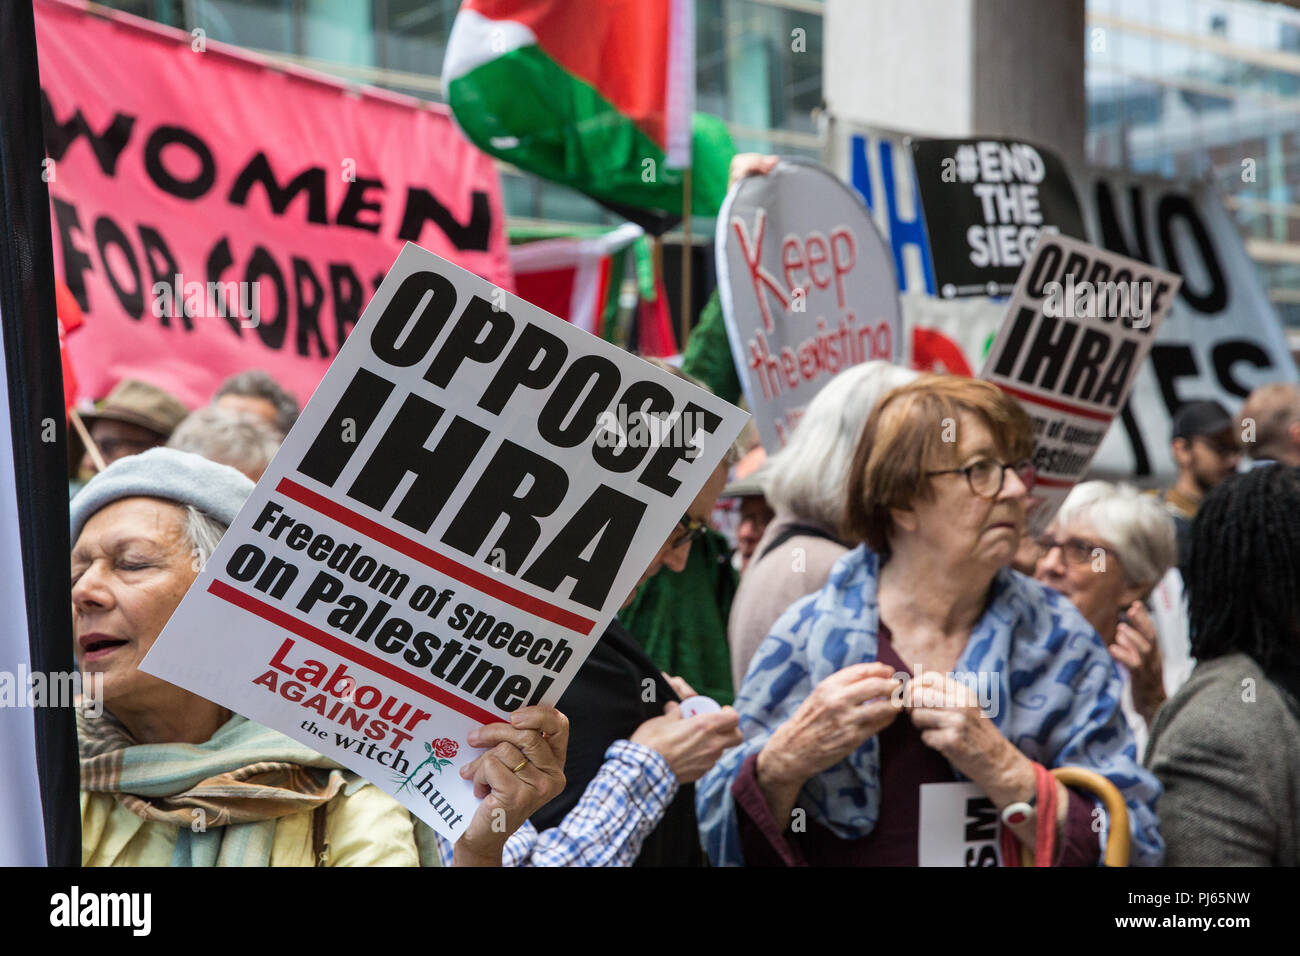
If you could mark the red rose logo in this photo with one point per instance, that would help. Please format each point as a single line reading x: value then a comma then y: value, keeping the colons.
x: 440, y: 752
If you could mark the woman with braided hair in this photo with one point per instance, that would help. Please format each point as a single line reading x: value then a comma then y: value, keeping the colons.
x: 1227, y: 745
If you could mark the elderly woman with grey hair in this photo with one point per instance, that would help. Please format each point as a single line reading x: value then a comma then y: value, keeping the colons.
x: 805, y: 484
x: 241, y: 440
x: 1106, y: 550
x: 169, y: 777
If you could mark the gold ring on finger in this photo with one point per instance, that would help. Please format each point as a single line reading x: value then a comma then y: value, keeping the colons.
x: 522, y: 764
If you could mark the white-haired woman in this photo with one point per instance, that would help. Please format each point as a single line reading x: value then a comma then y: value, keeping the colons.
x: 241, y: 440
x: 805, y: 484
x: 171, y: 778
x: 1105, y: 550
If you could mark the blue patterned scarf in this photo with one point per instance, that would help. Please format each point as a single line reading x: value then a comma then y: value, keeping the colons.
x: 1056, y: 688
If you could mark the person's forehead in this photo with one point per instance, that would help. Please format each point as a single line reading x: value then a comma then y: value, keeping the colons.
x: 974, y: 435
x: 700, y: 509
x: 151, y: 519
x: 1221, y: 441
x: 1079, y: 529
x: 109, y: 428
x: 707, y: 497
x: 252, y: 404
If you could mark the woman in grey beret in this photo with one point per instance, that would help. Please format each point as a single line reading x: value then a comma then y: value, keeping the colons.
x: 169, y: 777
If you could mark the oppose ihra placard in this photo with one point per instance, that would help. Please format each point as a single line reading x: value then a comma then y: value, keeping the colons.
x: 472, y: 492
x: 807, y: 289
x: 1078, y: 328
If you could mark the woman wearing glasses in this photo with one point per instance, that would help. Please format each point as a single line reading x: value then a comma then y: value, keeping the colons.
x: 1107, y: 547
x: 804, y: 483
x: 837, y: 747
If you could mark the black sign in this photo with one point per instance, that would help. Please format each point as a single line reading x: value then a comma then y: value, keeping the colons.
x: 985, y: 203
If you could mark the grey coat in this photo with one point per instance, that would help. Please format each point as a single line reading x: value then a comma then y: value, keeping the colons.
x: 1226, y: 747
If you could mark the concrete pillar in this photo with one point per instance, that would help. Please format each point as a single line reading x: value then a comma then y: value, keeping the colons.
x: 1007, y: 68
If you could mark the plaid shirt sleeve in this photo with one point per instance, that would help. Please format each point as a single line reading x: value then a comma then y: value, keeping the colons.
x: 624, y: 801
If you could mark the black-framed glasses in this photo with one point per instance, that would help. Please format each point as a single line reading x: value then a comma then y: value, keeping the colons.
x: 985, y: 476
x: 1076, y: 551
x: 693, y: 528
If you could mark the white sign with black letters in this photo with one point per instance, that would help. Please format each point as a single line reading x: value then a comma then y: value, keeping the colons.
x: 473, y: 490
x: 1077, y: 330
x: 959, y: 826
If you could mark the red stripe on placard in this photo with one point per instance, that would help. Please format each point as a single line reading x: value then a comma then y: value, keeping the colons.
x: 1053, y: 482
x: 356, y: 655
x: 430, y: 558
x: 1059, y: 406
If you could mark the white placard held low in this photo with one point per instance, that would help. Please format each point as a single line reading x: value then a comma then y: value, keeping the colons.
x: 959, y: 826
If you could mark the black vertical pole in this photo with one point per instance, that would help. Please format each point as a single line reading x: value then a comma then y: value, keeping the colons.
x: 35, y: 389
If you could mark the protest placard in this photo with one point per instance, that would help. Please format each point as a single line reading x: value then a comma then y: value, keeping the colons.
x: 807, y: 289
x: 1078, y: 328
x: 986, y: 202
x: 473, y: 490
x: 959, y: 826
x: 1222, y: 336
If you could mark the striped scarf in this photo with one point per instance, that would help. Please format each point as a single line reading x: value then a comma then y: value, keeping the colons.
x: 224, y: 796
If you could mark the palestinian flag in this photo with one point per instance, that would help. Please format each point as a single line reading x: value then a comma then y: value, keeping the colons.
x: 576, y: 278
x: 595, y: 94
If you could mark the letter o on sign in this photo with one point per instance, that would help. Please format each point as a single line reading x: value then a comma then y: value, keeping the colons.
x: 245, y: 562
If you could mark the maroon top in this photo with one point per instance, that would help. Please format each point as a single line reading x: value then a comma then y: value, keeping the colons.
x: 905, y: 764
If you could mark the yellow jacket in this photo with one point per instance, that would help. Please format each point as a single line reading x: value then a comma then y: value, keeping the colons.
x: 365, y: 828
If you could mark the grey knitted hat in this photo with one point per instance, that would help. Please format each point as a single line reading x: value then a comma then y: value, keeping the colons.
x: 217, y: 490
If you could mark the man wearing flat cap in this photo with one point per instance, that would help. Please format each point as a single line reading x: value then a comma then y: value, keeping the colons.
x: 134, y: 417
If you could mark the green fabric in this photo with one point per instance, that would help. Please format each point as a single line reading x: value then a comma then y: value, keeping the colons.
x: 609, y: 329
x: 680, y: 618
x: 526, y: 109
x: 645, y: 269
x: 708, y: 354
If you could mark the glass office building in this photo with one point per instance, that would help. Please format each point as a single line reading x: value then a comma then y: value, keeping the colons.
x: 1207, y: 88
x: 1175, y: 87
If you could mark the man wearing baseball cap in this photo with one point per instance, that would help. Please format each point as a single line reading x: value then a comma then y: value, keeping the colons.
x: 1206, y: 449
x: 134, y: 417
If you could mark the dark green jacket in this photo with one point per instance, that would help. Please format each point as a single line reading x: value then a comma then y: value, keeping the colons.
x: 681, y: 618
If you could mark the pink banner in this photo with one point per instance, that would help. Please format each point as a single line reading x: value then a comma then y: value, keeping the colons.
x: 212, y: 213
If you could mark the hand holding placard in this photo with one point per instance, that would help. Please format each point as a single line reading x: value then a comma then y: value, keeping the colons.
x: 522, y: 772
